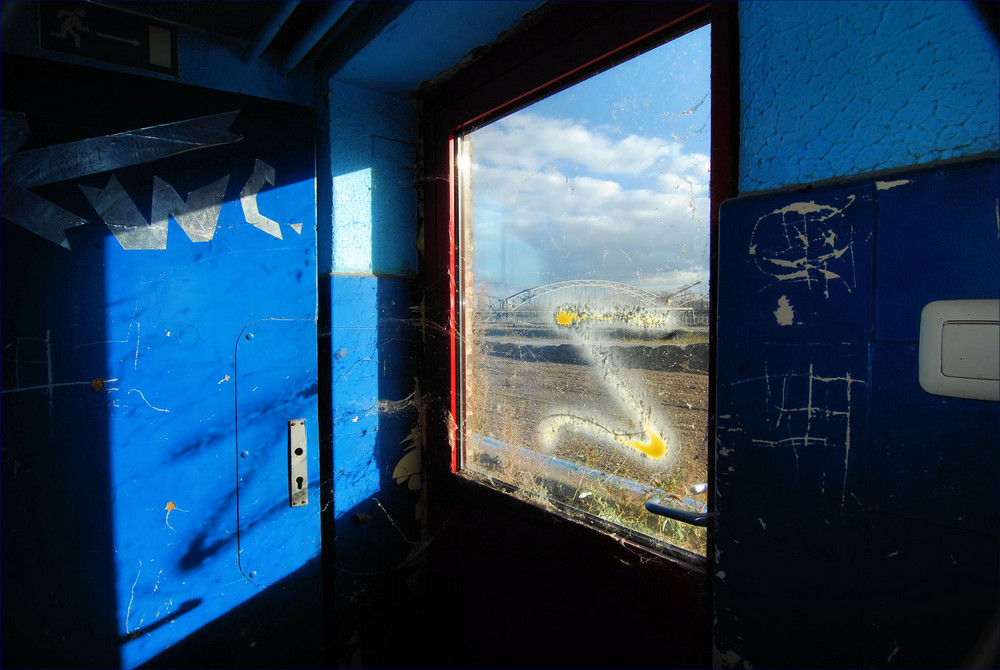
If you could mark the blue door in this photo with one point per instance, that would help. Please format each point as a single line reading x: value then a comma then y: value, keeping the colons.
x: 160, y: 444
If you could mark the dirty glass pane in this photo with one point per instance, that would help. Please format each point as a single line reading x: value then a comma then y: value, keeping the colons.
x: 585, y: 263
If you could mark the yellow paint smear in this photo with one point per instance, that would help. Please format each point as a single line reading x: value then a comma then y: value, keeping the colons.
x: 564, y: 318
x: 653, y: 446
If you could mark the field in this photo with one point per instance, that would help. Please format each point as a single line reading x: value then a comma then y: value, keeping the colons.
x: 541, y: 415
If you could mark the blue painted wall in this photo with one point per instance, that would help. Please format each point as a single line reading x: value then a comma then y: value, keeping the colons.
x: 369, y: 343
x: 147, y: 391
x: 830, y: 89
x: 841, y: 484
x: 373, y: 140
x: 372, y: 334
x: 857, y: 514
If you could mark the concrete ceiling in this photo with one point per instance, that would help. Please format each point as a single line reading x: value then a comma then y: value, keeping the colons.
x: 389, y: 47
x: 427, y: 38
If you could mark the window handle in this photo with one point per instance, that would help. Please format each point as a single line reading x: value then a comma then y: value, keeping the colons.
x: 699, y: 518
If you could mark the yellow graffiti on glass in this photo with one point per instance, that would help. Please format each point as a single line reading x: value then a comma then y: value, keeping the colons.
x: 653, y: 446
x: 566, y: 318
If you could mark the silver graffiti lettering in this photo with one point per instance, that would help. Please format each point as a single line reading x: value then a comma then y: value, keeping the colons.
x: 38, y: 214
x: 48, y: 165
x: 198, y: 216
x: 262, y: 173
x: 94, y: 155
x: 124, y: 219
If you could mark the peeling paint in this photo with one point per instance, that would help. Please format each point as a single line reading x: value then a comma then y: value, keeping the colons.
x: 170, y: 507
x: 408, y: 469
x: 729, y: 659
x: 801, y: 242
x: 811, y: 409
x: 784, y: 314
x: 886, y: 185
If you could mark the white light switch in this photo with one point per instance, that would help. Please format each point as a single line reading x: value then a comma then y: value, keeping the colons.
x: 969, y: 349
x: 959, y: 345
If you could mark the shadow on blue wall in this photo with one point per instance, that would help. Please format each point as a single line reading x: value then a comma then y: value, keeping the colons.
x: 372, y: 570
x: 122, y: 529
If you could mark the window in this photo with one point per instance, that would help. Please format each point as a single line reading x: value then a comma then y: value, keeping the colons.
x: 578, y: 252
x: 584, y: 247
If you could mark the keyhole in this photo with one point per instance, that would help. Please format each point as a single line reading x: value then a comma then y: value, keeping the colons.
x: 299, y: 481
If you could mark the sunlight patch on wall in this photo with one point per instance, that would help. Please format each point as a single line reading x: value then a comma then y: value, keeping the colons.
x: 352, y: 222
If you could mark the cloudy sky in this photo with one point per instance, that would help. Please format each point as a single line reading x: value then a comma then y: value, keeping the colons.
x: 605, y: 180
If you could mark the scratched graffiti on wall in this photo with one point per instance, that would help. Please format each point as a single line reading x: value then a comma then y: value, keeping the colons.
x: 197, y: 215
x: 797, y: 410
x: 806, y: 242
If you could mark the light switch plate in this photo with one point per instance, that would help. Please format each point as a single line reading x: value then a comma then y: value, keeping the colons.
x: 959, y: 344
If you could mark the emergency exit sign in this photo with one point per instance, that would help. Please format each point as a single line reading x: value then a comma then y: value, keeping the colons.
x: 111, y: 35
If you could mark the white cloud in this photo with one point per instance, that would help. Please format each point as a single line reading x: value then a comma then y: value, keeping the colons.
x: 587, y: 205
x: 526, y: 140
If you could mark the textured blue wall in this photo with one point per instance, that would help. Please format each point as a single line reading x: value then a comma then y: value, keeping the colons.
x: 833, y: 89
x: 372, y: 165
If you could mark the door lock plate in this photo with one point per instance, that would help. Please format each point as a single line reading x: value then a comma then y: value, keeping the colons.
x: 298, y: 464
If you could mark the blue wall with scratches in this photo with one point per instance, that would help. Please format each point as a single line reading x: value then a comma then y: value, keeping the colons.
x: 857, y: 514
x: 147, y: 390
x: 842, y: 486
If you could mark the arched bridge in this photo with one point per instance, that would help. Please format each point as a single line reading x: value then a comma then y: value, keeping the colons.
x: 527, y: 296
x: 534, y: 306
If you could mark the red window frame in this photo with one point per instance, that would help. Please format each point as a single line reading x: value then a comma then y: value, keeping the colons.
x: 560, y: 44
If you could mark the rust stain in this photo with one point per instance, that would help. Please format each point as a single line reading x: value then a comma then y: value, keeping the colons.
x: 97, y: 384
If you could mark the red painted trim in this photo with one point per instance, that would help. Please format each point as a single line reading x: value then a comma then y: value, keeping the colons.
x: 584, y: 69
x: 453, y: 270
x: 575, y: 41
